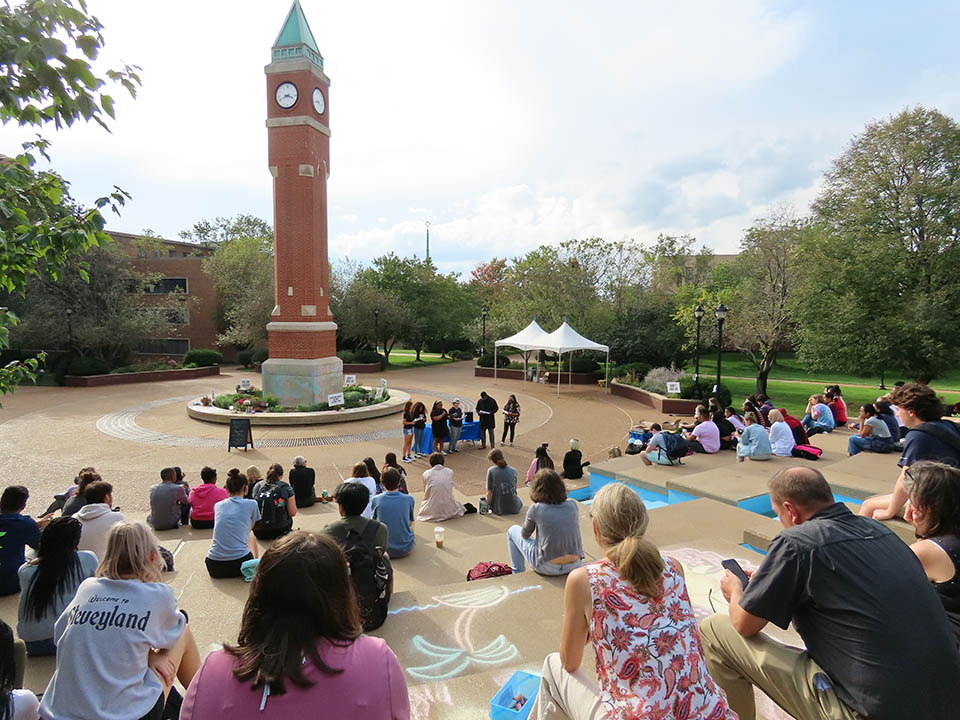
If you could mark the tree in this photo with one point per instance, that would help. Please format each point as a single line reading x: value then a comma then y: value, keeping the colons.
x: 110, y: 316
x: 879, y: 275
x: 647, y: 333
x: 46, y: 76
x: 367, y: 312
x: 220, y: 230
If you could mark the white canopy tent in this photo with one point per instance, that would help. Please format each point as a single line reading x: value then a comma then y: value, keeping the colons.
x: 562, y: 340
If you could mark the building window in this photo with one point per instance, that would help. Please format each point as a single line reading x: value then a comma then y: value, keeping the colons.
x: 168, y: 285
x: 171, y: 253
x: 178, y: 316
x: 186, y: 254
x: 164, y: 346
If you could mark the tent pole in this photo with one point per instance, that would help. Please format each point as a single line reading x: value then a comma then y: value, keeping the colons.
x: 606, y: 367
x: 559, y: 362
x: 570, y: 370
x: 523, y: 380
x: 494, y: 364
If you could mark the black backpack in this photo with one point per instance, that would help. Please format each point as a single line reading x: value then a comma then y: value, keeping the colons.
x: 676, y: 446
x: 273, y: 508
x: 370, y: 571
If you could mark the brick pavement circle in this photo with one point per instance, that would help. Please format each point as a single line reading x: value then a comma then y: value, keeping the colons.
x: 123, y: 424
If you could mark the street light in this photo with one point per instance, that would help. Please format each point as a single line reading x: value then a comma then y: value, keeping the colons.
x: 376, y: 329
x: 483, y: 341
x: 721, y: 313
x: 698, y: 314
x: 427, y: 225
x: 69, y: 313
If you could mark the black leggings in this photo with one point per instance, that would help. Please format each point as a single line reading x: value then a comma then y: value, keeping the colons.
x: 511, y: 427
x: 201, y: 524
x: 226, y: 568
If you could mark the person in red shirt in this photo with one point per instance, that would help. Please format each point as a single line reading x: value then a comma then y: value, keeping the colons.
x: 836, y: 403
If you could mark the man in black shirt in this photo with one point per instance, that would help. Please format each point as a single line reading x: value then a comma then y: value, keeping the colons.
x: 879, y: 645
x: 487, y: 415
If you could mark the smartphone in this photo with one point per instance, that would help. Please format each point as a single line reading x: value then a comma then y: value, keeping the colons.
x: 734, y: 567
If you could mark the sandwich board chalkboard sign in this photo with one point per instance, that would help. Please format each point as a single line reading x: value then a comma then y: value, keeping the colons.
x: 241, y: 434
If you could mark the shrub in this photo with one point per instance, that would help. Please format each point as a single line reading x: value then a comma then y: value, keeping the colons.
x: 259, y: 355
x: 245, y: 358
x: 704, y: 391
x: 87, y: 366
x: 348, y: 356
x: 60, y: 368
x: 486, y: 360
x: 580, y: 365
x: 203, y: 357
x: 367, y: 356
x: 462, y: 354
x: 190, y: 365
x: 631, y: 372
x: 319, y: 407
x: 656, y: 380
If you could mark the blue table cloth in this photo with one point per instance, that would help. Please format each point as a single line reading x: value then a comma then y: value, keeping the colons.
x: 469, y: 431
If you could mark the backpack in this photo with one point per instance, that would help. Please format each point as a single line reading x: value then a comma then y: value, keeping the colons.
x: 273, y: 508
x: 370, y: 572
x: 485, y: 569
x: 675, y: 446
x: 807, y: 452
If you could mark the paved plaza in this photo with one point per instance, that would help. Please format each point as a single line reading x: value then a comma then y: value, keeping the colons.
x: 458, y: 642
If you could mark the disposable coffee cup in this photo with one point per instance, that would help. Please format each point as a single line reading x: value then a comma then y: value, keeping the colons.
x: 438, y: 536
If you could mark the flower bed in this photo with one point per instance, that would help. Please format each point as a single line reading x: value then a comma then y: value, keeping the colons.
x: 126, y: 378
x: 252, y: 400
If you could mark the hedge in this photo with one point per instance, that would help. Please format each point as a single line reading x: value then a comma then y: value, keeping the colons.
x: 87, y: 366
x: 486, y: 360
x: 203, y: 357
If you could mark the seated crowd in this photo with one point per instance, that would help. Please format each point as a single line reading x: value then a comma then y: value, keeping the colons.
x: 92, y: 593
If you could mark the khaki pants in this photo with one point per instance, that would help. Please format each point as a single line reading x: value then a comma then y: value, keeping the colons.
x: 788, y: 675
x: 566, y: 696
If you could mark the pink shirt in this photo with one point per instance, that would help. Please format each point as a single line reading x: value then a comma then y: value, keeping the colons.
x: 203, y: 498
x: 370, y: 686
x: 708, y: 434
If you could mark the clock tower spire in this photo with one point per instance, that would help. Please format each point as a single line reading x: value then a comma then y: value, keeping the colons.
x: 303, y: 367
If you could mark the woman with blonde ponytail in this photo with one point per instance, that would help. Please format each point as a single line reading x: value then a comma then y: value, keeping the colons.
x: 633, y: 606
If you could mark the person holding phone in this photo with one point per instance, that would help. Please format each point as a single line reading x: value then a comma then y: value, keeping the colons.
x: 826, y: 573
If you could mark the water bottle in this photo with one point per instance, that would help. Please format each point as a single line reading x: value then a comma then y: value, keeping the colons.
x: 483, y: 506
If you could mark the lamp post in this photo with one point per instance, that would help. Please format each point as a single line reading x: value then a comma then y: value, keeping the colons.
x: 483, y: 341
x: 376, y: 329
x: 427, y: 225
x: 721, y: 313
x: 69, y: 314
x: 698, y: 314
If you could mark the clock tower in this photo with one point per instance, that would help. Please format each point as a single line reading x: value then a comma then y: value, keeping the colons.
x: 303, y: 367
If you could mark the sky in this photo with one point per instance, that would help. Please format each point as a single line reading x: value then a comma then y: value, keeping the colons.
x: 508, y: 125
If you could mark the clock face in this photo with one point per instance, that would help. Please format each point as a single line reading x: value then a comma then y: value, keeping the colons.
x: 286, y: 95
x: 318, y: 103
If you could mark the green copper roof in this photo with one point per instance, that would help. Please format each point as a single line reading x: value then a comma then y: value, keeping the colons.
x: 295, y: 39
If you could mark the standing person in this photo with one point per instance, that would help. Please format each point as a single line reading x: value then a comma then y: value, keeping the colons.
x: 754, y: 443
x: 97, y: 518
x: 233, y: 540
x: 18, y: 531
x: 203, y: 498
x: 573, y: 463
x: 301, y: 651
x: 122, y: 641
x: 390, y: 461
x: 277, y: 504
x: 846, y: 583
x: 934, y: 512
x: 634, y: 608
x: 439, y: 502
x: 487, y: 415
x: 407, y: 423
x: 541, y: 461
x: 511, y: 416
x: 502, y: 496
x: 419, y: 425
x: 438, y: 423
x: 818, y: 417
x: 874, y: 434
x: 15, y: 702
x: 361, y: 475
x: 49, y: 583
x: 395, y: 510
x: 781, y: 436
x: 557, y: 549
x: 705, y: 437
x: 166, y: 500
x: 929, y: 437
x: 303, y: 480
x: 455, y: 420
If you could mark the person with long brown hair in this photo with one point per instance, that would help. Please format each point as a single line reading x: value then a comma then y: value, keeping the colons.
x: 300, y: 651
x: 557, y: 549
x: 634, y: 607
x: 419, y: 412
x: 438, y: 423
x: 502, y: 496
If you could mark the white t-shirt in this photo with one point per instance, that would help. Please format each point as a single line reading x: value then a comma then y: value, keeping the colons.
x: 781, y: 439
x: 103, y: 640
x: 25, y: 705
x: 370, y: 485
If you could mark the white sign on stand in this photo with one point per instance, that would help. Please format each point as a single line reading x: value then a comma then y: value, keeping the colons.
x: 349, y: 379
x: 673, y: 387
x: 335, y: 399
x: 383, y: 384
x: 378, y: 394
x: 245, y: 384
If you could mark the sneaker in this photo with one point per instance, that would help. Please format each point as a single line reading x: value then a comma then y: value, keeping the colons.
x: 502, y: 443
x: 483, y: 447
x: 407, y: 458
x: 511, y: 444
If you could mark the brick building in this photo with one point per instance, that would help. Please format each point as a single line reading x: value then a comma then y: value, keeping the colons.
x: 180, y: 266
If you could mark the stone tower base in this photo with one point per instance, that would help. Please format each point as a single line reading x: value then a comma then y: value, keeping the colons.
x: 302, y: 382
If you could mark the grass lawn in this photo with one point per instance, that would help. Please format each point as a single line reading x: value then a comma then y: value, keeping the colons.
x: 788, y: 368
x: 793, y: 395
x: 403, y: 358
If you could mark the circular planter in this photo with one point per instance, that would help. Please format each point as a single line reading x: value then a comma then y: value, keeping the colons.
x: 217, y: 415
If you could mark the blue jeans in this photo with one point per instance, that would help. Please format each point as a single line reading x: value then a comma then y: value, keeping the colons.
x: 857, y: 444
x: 522, y: 548
x: 417, y: 440
x: 454, y: 436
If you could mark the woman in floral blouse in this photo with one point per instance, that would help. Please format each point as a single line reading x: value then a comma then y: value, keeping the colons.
x: 633, y: 606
